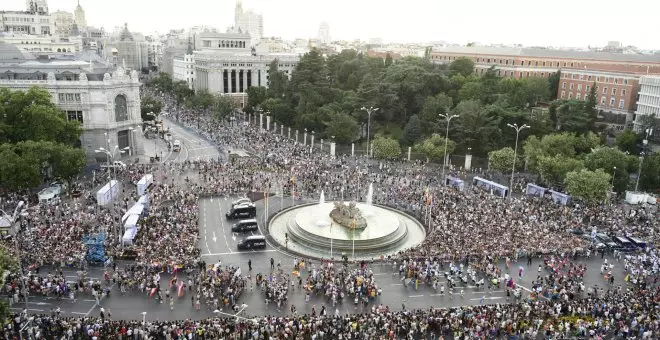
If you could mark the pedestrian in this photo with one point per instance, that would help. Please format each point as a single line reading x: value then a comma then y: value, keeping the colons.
x: 272, y: 263
x: 250, y: 264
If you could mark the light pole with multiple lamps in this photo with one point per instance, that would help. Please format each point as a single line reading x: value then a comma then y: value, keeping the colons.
x: 369, y: 111
x: 448, y: 118
x: 515, y: 151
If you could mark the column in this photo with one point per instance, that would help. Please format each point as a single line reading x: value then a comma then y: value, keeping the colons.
x: 321, y: 146
x: 267, y: 123
x: 253, y: 78
x: 282, y: 129
x: 313, y: 139
x: 229, y: 80
x: 332, y: 150
x: 222, y: 80
x: 468, y: 162
x: 289, y: 134
x: 261, y: 121
x: 305, y: 138
x: 245, y: 83
x: 352, y: 149
x: 274, y: 127
x: 296, y: 136
x: 409, y: 148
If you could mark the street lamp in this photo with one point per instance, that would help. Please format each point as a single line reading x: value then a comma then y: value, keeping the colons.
x: 448, y: 118
x: 515, y: 151
x: 639, y: 171
x: 369, y: 111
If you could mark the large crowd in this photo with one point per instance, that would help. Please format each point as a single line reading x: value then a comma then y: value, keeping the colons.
x: 468, y: 233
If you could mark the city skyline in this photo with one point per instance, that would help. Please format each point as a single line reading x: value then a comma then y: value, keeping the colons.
x: 511, y: 22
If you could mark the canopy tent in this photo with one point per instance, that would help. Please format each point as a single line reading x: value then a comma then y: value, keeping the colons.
x: 131, y: 222
x: 107, y: 193
x: 455, y: 182
x: 559, y: 197
x: 144, y: 183
x: 144, y: 200
x: 129, y: 236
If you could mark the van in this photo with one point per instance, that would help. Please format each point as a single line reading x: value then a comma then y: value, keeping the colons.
x: 242, y: 211
x: 245, y: 225
x: 176, y: 146
x: 252, y: 242
x: 624, y: 243
x: 639, y: 243
x: 241, y: 201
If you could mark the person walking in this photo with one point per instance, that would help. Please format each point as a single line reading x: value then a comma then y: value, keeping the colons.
x: 250, y: 264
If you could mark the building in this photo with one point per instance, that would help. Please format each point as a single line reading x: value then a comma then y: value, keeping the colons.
x: 79, y: 17
x: 41, y: 43
x: 616, y: 75
x: 35, y: 20
x: 154, y: 52
x: 105, y: 102
x: 184, y: 67
x: 63, y: 22
x: 127, y: 52
x: 175, y: 45
x: 648, y: 104
x: 249, y: 22
x: 324, y: 34
x: 227, y: 64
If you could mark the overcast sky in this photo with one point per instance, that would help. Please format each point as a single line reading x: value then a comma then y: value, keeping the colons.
x: 528, y: 22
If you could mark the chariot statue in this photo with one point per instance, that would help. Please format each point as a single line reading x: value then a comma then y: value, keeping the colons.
x: 348, y: 216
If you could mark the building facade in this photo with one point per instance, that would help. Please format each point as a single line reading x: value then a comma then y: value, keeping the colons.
x: 648, y: 104
x: 184, y: 69
x: 324, y: 33
x: 79, y: 17
x: 616, y: 75
x: 63, y: 22
x: 249, y: 22
x: 105, y: 102
x: 128, y: 52
x: 39, y: 43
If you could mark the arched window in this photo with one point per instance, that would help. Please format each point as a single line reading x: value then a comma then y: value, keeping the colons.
x: 121, y: 111
x: 59, y: 50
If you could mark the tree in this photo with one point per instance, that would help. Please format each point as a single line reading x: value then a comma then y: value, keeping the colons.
x: 343, y: 127
x: 590, y: 107
x: 386, y: 148
x: 256, y: 96
x: 650, y: 174
x: 476, y: 127
x: 501, y: 160
x: 434, y: 105
x: 553, y: 169
x: 19, y: 169
x: 277, y: 80
x: 7, y: 263
x: 553, y: 80
x: 68, y: 162
x: 590, y: 186
x: 462, y: 66
x: 627, y: 141
x: 613, y: 162
x: 221, y: 108
x: 163, y: 82
x: 434, y: 147
x: 388, y: 59
x: 412, y: 132
x: 150, y: 107
x: 181, y: 91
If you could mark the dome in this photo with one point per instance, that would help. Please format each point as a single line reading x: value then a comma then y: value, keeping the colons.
x: 11, y: 52
x: 125, y: 34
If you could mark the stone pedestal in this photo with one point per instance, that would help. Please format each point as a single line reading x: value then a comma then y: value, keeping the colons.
x: 332, y: 150
x: 468, y: 162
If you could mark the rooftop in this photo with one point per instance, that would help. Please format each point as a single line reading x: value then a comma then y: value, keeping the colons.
x: 550, y: 53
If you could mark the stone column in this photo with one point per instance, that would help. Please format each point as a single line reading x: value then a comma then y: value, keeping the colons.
x: 289, y: 133
x: 352, y: 149
x: 274, y: 127
x: 409, y: 148
x: 282, y: 129
x: 312, y: 139
x: 296, y: 136
x: 321, y: 146
x: 222, y: 81
x: 245, y: 83
x: 267, y: 123
x: 468, y: 162
x: 230, y: 80
x: 332, y: 149
x: 305, y: 138
x: 261, y: 121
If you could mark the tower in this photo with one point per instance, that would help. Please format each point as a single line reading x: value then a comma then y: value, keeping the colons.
x: 238, y: 13
x: 79, y: 16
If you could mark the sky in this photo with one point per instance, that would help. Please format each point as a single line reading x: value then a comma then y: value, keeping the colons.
x: 558, y: 23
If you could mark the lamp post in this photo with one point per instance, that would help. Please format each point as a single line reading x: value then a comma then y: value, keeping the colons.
x: 515, y: 151
x: 369, y: 111
x: 448, y: 118
x: 639, y: 171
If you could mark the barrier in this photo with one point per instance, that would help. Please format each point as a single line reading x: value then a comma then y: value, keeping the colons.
x: 494, y: 188
x: 132, y: 222
x: 535, y: 190
x: 455, y: 182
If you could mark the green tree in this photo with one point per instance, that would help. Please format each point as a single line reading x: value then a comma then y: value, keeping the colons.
x: 163, y: 82
x: 650, y: 175
x: 590, y: 107
x: 475, y: 127
x: 19, y: 169
x: 256, y: 96
x: 67, y: 162
x: 277, y: 80
x: 462, y: 66
x: 221, y: 108
x: 388, y: 59
x: 501, y: 160
x: 7, y: 263
x: 343, y: 127
x: 627, y: 141
x: 434, y: 147
x: 552, y: 170
x: 412, y: 132
x: 434, y: 105
x: 590, y: 186
x: 150, y: 107
x: 553, y: 80
x: 386, y: 148
x: 612, y: 161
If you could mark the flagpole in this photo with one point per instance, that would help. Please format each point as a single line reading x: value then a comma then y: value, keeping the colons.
x: 331, y: 239
x: 282, y: 193
x: 266, y: 215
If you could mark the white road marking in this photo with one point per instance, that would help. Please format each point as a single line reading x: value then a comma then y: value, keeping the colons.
x: 415, y: 296
x: 79, y: 313
x: 487, y: 298
x: 257, y: 251
x: 215, y: 239
x: 29, y: 309
x: 396, y: 284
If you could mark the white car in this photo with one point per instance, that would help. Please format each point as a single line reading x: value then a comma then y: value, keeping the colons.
x: 243, y: 200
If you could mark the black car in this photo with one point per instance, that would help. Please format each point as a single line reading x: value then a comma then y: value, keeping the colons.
x: 245, y: 225
x: 242, y: 211
x: 252, y: 242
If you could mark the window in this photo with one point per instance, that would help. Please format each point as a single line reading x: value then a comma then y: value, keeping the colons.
x: 75, y: 115
x: 570, y: 95
x: 612, y: 101
x: 206, y: 43
x: 582, y: 77
x: 625, y: 81
x: 614, y: 91
x: 121, y: 111
x: 69, y: 97
x: 623, y: 92
x: 579, y: 87
x: 577, y: 96
x: 602, y: 100
x: 604, y: 90
x: 571, y: 86
x: 563, y: 85
x: 621, y: 103
x: 588, y: 88
x: 589, y: 78
x: 563, y: 94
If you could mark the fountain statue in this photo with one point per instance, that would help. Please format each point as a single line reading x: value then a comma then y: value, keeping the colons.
x: 322, y: 198
x: 370, y: 194
x: 348, y: 216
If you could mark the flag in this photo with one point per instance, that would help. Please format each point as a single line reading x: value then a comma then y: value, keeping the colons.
x: 428, y: 199
x: 180, y: 289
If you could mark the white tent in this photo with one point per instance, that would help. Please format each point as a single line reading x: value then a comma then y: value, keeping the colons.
x: 131, y: 222
x: 144, y: 183
x: 136, y: 209
x: 129, y: 235
x: 144, y: 200
x: 107, y: 193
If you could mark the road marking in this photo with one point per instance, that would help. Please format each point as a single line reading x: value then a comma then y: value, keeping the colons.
x: 89, y: 300
x: 214, y: 238
x: 30, y: 309
x: 79, y: 313
x: 40, y: 303
x: 487, y: 298
x: 396, y: 284
x: 378, y: 274
x: 415, y: 296
x: 436, y: 294
x: 257, y: 251
x: 489, y: 292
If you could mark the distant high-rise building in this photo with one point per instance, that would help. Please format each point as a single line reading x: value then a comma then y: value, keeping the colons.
x: 79, y: 17
x: 249, y: 22
x: 63, y: 23
x: 37, y: 6
x: 324, y: 34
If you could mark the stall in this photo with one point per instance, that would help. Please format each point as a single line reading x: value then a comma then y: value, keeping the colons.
x: 535, y: 190
x: 107, y: 193
x: 559, y: 197
x: 129, y: 236
x: 136, y: 209
x: 132, y: 222
x: 144, y: 200
x: 494, y: 188
x: 455, y: 182
x: 144, y: 183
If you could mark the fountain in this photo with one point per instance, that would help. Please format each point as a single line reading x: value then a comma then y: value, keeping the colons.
x: 322, y: 198
x: 370, y: 194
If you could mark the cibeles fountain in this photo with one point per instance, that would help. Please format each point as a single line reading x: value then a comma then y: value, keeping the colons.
x: 356, y: 230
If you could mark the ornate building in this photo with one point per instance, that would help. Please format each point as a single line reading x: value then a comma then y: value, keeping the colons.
x: 249, y: 22
x: 35, y: 20
x: 79, y: 17
x: 128, y: 52
x: 106, y: 101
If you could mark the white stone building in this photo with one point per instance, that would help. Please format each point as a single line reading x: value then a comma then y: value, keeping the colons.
x: 63, y: 22
x: 184, y: 68
x: 226, y: 64
x: 48, y: 44
x: 106, y: 102
x: 34, y: 20
x: 79, y: 17
x: 649, y: 99
x: 249, y: 22
x: 324, y: 33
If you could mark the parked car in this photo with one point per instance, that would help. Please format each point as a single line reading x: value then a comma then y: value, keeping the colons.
x: 252, y: 242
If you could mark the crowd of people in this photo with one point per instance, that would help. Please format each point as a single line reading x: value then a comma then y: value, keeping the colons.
x: 469, y: 231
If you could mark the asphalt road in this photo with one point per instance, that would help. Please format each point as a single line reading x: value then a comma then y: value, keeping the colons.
x: 193, y: 148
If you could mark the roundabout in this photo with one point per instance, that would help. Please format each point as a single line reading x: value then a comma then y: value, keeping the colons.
x: 312, y: 230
